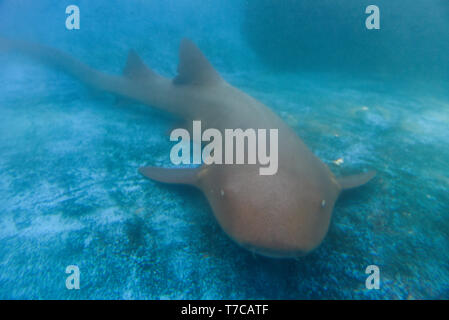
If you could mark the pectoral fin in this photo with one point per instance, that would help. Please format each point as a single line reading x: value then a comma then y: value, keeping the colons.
x: 356, y: 180
x: 171, y: 175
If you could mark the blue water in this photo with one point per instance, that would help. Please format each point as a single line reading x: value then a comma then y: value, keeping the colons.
x: 70, y: 193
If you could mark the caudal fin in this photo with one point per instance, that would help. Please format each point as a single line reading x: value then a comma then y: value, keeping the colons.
x: 172, y: 175
x: 356, y: 180
x: 139, y: 82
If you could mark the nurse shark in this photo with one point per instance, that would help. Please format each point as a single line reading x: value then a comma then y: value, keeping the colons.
x: 284, y: 215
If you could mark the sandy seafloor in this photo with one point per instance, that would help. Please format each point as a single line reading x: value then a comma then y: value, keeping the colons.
x: 70, y: 193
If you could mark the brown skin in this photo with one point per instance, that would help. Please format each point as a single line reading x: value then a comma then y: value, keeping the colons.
x: 277, y: 216
x: 282, y: 215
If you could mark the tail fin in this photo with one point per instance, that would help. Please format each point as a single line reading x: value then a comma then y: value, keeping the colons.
x: 52, y: 57
x: 172, y: 175
x: 153, y: 92
x: 357, y: 180
x: 72, y: 66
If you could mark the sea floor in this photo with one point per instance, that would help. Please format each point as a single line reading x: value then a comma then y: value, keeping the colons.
x: 70, y: 194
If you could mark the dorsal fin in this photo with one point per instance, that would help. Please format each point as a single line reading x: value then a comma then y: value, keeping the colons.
x: 194, y: 68
x: 135, y: 68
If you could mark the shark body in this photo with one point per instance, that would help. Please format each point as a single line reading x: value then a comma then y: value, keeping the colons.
x: 282, y: 215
